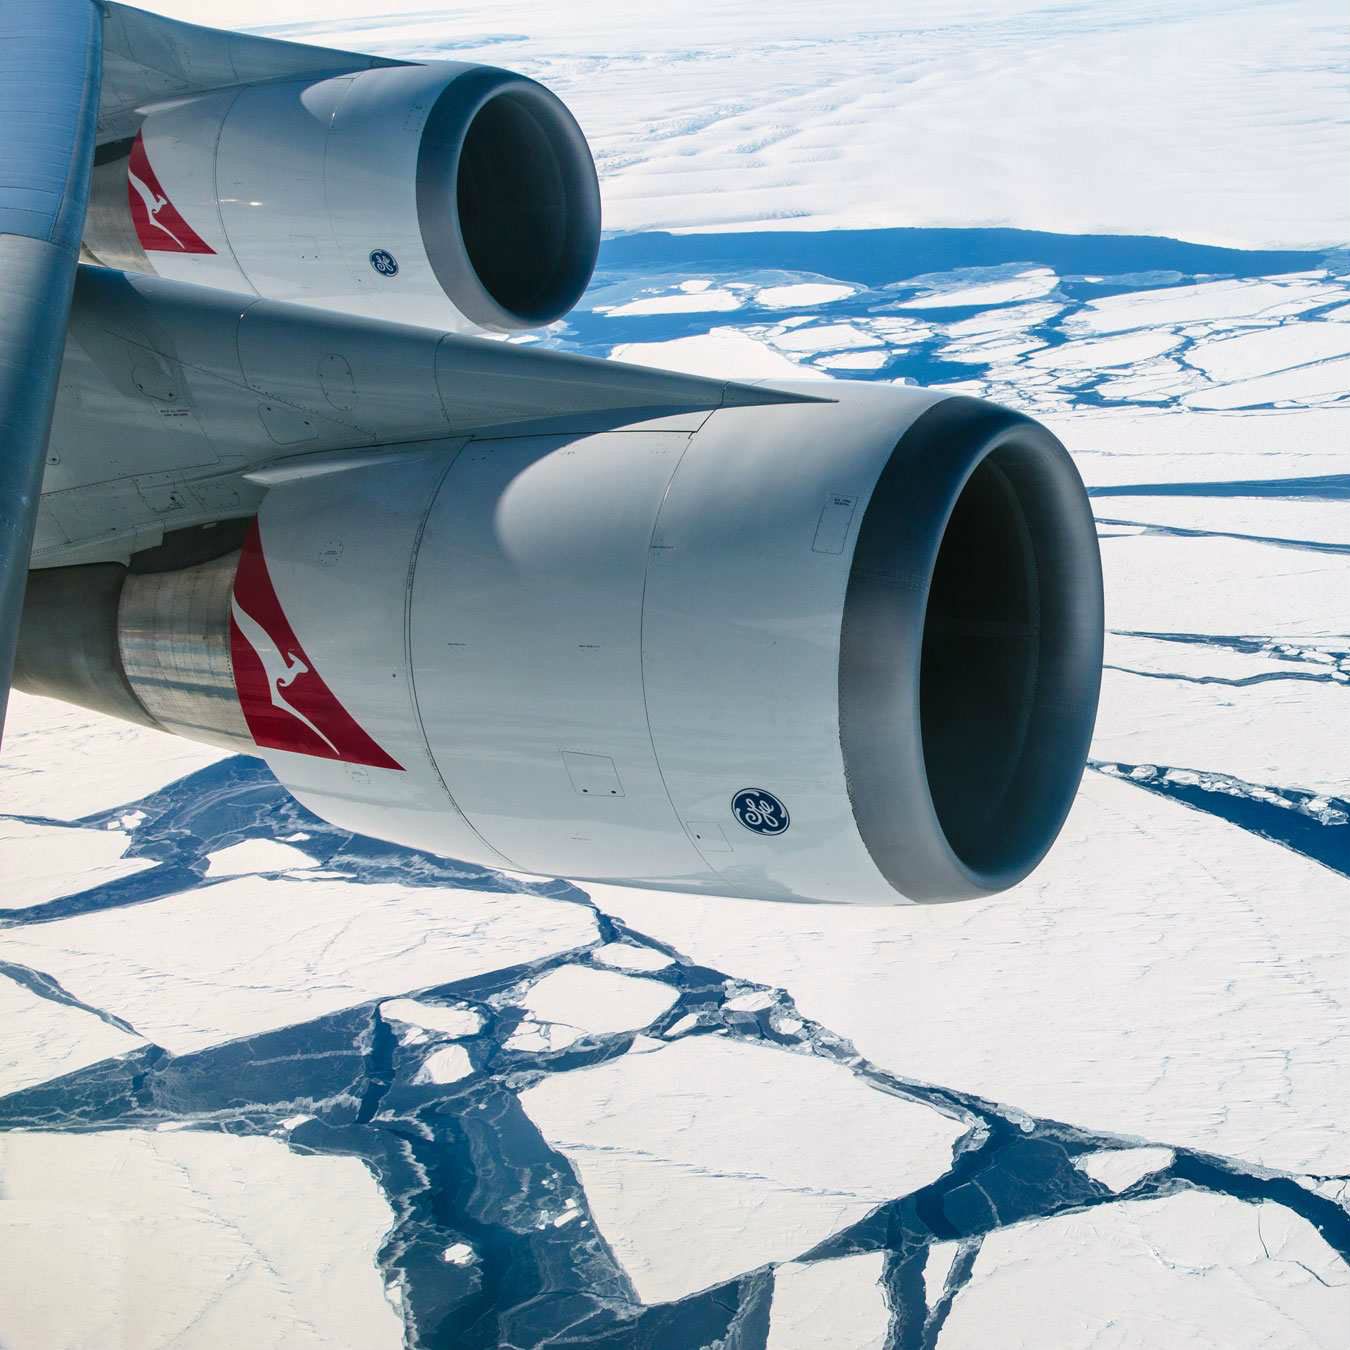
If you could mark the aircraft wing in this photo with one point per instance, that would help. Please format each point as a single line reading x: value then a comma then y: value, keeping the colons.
x: 244, y: 323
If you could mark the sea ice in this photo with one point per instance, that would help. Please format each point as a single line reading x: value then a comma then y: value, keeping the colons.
x: 839, y: 1304
x: 256, y: 855
x: 446, y: 1065
x: 453, y: 1020
x: 106, y: 762
x: 1207, y: 1272
x: 756, y: 1155
x: 576, y: 1001
x: 802, y: 295
x: 1196, y: 977
x: 936, y: 1267
x: 189, y: 1239
x: 41, y: 1038
x: 1120, y: 1168
x: 252, y: 954
x: 694, y: 302
x: 38, y: 862
x: 718, y: 353
x: 623, y: 956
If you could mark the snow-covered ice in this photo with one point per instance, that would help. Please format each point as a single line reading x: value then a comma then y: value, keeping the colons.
x: 256, y: 855
x: 454, y: 1021
x: 246, y: 955
x: 1202, y: 1271
x: 119, y: 762
x: 576, y: 1001
x: 447, y: 1065
x: 624, y: 956
x: 1120, y: 1168
x: 43, y: 1037
x: 41, y: 859
x: 839, y: 1304
x: 191, y: 1240
x: 738, y: 1186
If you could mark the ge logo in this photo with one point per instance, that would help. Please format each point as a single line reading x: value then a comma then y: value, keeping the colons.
x: 760, y: 811
x: 384, y: 263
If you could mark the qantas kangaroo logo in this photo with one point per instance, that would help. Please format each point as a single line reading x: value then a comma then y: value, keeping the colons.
x: 159, y: 226
x: 285, y: 701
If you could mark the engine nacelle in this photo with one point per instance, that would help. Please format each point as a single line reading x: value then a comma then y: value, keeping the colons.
x: 845, y: 651
x: 454, y: 196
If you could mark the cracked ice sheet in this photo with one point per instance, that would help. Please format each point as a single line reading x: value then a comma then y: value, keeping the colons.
x: 249, y: 955
x: 1221, y: 1020
x: 576, y: 1001
x: 110, y: 762
x: 1205, y: 301
x: 38, y: 862
x: 1276, y: 732
x: 836, y: 1303
x: 42, y: 1039
x: 1221, y: 586
x: 1207, y: 1272
x: 714, y: 354
x: 188, y: 1239
x: 756, y: 1154
x: 1118, y: 447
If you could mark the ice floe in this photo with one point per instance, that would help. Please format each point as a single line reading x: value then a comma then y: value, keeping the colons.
x: 1203, y: 1271
x: 839, y: 1304
x: 119, y: 761
x: 246, y: 955
x: 1119, y: 1168
x: 39, y: 861
x: 576, y: 1001
x: 756, y: 1155
x: 46, y: 1037
x: 189, y: 1239
x: 256, y: 855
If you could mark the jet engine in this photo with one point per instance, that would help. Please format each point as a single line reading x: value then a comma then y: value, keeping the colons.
x: 843, y: 650
x: 456, y: 196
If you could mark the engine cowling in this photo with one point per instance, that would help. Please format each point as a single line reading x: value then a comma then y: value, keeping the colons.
x: 845, y: 651
x: 455, y: 196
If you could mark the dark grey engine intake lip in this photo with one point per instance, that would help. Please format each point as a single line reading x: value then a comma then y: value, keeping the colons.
x: 508, y: 200
x: 960, y: 788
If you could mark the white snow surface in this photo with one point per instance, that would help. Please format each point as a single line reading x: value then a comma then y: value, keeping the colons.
x: 1187, y: 119
x: 1120, y: 1168
x: 801, y: 295
x: 717, y: 353
x: 256, y: 855
x: 622, y: 956
x: 118, y: 761
x: 188, y: 1239
x: 41, y: 1038
x: 576, y: 1001
x: 38, y: 861
x: 839, y: 1304
x: 252, y: 954
x: 447, y: 1065
x: 694, y: 302
x: 738, y: 1186
x: 453, y: 1020
x: 936, y: 1268
x: 1206, y: 1272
